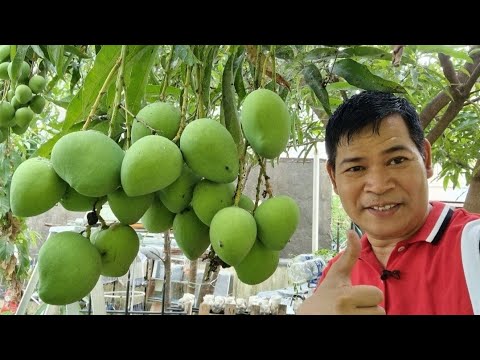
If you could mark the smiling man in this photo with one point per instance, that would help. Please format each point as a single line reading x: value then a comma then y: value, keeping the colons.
x: 415, y: 256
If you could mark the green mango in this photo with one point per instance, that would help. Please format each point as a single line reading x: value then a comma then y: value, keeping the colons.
x: 151, y: 164
x: 163, y: 117
x: 118, y: 246
x: 232, y: 234
x: 35, y: 187
x: 191, y: 235
x: 266, y: 122
x: 210, y: 197
x: 129, y: 209
x: 210, y: 151
x: 89, y: 161
x: 157, y: 218
x: 74, y: 201
x: 259, y: 264
x: 69, y: 267
x: 277, y: 219
x: 178, y: 194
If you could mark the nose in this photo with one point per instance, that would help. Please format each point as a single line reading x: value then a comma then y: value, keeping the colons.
x: 378, y: 181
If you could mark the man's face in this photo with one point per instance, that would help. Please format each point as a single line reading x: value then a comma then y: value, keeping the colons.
x: 382, y: 180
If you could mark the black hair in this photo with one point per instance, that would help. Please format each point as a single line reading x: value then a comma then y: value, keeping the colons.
x: 369, y: 108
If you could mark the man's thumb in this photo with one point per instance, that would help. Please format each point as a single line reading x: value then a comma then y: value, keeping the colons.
x: 347, y: 260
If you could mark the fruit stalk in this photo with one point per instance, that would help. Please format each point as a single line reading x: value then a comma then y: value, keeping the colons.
x: 241, y: 174
x: 183, y: 116
x: 166, y: 78
x: 103, y: 90
x: 118, y: 90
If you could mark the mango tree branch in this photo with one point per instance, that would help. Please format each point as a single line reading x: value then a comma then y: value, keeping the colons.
x: 103, y: 90
x: 450, y: 74
x: 241, y: 175
x: 433, y: 108
x: 467, y: 87
x: 166, y: 78
x: 183, y: 115
x: 263, y: 171
x: 452, y: 111
x: 118, y: 89
x: 257, y: 194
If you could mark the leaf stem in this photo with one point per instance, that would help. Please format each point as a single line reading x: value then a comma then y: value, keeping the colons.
x: 118, y: 89
x: 103, y: 90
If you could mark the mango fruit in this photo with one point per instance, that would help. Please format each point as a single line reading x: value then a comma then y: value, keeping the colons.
x: 259, y: 264
x: 277, y: 219
x: 163, y: 117
x: 210, y: 197
x: 35, y: 187
x: 129, y: 209
x: 69, y: 266
x: 210, y: 151
x: 232, y: 234
x: 266, y: 122
x: 151, y: 164
x: 118, y: 246
x: 157, y: 218
x: 89, y: 162
x: 178, y: 194
x: 191, y: 235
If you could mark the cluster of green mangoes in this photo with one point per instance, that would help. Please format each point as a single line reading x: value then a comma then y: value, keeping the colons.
x: 22, y: 99
x: 188, y: 187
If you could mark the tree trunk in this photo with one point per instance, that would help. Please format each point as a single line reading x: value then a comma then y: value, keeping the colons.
x: 472, y: 201
x: 192, y: 277
x: 167, y: 263
x: 208, y: 284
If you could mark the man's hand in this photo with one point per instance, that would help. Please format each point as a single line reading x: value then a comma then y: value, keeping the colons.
x: 336, y: 295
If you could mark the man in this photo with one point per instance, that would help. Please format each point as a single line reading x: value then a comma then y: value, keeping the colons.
x: 415, y: 256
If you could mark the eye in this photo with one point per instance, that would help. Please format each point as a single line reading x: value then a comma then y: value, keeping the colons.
x: 397, y: 160
x: 354, y: 169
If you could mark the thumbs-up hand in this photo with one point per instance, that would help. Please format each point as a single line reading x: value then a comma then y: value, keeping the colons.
x: 336, y: 295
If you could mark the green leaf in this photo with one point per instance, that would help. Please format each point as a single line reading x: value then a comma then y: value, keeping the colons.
x: 46, y: 148
x: 207, y: 74
x: 322, y: 53
x: 18, y: 60
x: 445, y: 49
x: 185, y: 53
x: 284, y: 52
x: 360, y: 76
x: 340, y: 85
x: 366, y: 51
x: 136, y: 79
x: 6, y: 249
x: 37, y: 49
x: 76, y: 51
x: 82, y: 102
x: 56, y: 55
x: 4, y: 204
x: 238, y: 82
x: 229, y: 103
x: 313, y: 78
x: 59, y: 102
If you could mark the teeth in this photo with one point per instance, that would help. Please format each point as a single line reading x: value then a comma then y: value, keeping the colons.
x: 383, y: 208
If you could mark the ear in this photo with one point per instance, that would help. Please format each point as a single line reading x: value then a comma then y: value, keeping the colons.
x: 428, y: 158
x: 331, y: 174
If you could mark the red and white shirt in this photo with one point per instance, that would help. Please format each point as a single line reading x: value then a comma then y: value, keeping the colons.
x: 437, y: 270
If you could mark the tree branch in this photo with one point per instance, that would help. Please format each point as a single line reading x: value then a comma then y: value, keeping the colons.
x: 450, y: 74
x: 452, y: 111
x: 475, y: 74
x: 433, y: 108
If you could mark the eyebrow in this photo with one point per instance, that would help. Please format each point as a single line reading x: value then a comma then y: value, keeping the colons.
x: 390, y: 150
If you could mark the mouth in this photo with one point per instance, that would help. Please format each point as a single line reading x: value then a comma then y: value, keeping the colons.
x: 384, y: 209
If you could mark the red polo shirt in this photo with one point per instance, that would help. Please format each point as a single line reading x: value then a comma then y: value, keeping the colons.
x: 438, y: 267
